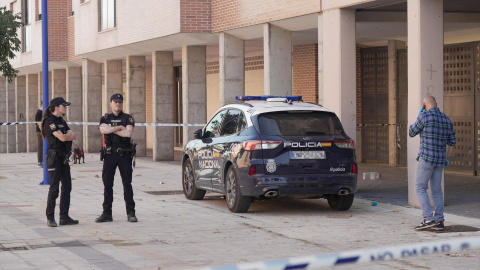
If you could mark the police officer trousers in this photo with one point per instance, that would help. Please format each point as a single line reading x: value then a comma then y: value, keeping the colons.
x: 57, y: 173
x: 124, y: 164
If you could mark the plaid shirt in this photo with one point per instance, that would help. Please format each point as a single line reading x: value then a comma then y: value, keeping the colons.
x: 436, y: 131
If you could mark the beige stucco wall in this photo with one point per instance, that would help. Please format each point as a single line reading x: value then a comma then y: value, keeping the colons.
x: 134, y: 22
x: 253, y: 87
x: 35, y: 55
x: 254, y: 82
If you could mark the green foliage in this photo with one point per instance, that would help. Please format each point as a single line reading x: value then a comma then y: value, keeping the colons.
x: 9, y: 42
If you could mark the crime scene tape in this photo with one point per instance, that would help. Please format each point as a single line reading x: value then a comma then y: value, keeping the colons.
x: 371, y: 125
x: 360, y: 256
x: 96, y: 124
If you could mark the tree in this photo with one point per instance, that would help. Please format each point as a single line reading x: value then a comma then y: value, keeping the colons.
x: 9, y: 42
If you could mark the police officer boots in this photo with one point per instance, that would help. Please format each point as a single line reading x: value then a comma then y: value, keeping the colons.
x: 51, y: 223
x: 68, y: 221
x: 104, y: 218
x: 132, y: 218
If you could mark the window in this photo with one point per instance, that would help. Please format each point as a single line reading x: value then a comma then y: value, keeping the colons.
x: 107, y: 14
x: 27, y: 18
x: 231, y: 122
x: 298, y: 123
x: 213, y: 128
x: 242, y: 122
x: 39, y: 9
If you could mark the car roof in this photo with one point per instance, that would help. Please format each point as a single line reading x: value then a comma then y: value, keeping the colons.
x: 259, y: 107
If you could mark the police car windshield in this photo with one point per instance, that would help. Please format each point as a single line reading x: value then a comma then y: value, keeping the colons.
x: 299, y: 123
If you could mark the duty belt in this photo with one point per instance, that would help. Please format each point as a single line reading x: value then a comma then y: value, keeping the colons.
x: 121, y: 151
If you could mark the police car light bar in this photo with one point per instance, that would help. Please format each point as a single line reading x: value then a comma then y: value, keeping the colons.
x: 247, y: 98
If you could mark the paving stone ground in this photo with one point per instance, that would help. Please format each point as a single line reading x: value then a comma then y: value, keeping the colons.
x: 175, y: 233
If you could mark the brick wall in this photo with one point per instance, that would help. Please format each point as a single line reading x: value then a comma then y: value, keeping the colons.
x: 58, y: 12
x: 251, y: 63
x: 230, y: 14
x: 195, y: 16
x: 305, y: 72
x: 37, y: 6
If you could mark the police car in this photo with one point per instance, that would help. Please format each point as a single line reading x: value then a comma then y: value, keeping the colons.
x: 271, y: 148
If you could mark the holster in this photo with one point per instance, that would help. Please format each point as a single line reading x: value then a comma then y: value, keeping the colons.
x: 51, y: 157
x: 102, y: 153
x: 67, y: 157
x: 134, y: 153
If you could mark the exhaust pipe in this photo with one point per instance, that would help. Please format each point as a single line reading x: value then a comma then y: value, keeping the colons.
x: 271, y: 193
x: 343, y: 191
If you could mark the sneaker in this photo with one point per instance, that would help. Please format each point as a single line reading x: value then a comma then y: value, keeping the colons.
x: 425, y: 224
x: 68, y: 221
x: 104, y: 218
x: 439, y: 226
x: 132, y: 218
x: 51, y: 223
x: 40, y: 164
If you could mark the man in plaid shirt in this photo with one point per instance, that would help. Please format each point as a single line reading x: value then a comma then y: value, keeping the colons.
x: 436, y: 138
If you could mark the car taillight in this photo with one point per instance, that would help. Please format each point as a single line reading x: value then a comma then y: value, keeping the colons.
x: 252, y: 170
x: 347, y: 144
x: 257, y: 145
x: 354, y: 168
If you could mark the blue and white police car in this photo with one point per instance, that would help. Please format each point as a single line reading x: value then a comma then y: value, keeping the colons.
x: 272, y: 147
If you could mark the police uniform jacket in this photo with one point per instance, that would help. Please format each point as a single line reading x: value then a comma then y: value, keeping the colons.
x: 123, y: 119
x: 53, y: 124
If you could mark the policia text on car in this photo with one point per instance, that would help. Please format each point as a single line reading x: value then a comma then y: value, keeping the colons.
x: 59, y: 139
x: 117, y: 128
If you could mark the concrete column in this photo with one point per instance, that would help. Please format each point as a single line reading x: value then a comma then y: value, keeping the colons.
x: 393, y: 46
x: 162, y: 94
x: 92, y: 104
x: 113, y: 80
x: 11, y: 117
x: 59, y: 83
x: 40, y: 86
x: 277, y: 51
x: 21, y: 112
x: 320, y: 59
x: 136, y: 100
x: 3, y: 115
x: 232, y: 68
x: 339, y: 56
x: 74, y: 96
x: 33, y: 104
x: 425, y: 71
x: 194, y: 88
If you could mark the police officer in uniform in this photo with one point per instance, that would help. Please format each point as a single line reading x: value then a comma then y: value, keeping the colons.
x: 59, y: 139
x: 117, y: 128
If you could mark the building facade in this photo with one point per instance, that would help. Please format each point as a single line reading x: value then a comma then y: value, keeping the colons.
x: 178, y: 61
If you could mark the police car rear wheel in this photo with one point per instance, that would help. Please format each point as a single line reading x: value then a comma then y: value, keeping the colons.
x: 235, y: 201
x: 188, y: 182
x: 340, y: 202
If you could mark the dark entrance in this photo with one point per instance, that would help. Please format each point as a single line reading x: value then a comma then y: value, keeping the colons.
x: 374, y: 72
x: 461, y: 103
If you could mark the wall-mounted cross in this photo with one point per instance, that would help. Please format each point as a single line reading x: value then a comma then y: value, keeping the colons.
x: 431, y: 71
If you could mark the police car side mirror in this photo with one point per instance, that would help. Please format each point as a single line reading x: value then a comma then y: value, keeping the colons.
x: 197, y: 134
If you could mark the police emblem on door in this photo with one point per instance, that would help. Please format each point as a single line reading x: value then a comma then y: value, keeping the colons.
x: 271, y: 166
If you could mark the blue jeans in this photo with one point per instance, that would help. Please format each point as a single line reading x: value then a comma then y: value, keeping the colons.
x: 426, y: 172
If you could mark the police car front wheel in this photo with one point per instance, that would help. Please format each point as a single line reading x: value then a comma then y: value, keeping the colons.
x: 188, y: 182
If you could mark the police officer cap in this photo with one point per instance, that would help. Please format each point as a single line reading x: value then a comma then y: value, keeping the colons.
x: 58, y: 101
x: 117, y: 98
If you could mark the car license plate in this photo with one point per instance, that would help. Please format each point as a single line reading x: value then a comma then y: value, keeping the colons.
x: 307, y: 154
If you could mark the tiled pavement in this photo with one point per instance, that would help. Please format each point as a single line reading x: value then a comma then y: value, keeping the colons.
x: 175, y: 233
